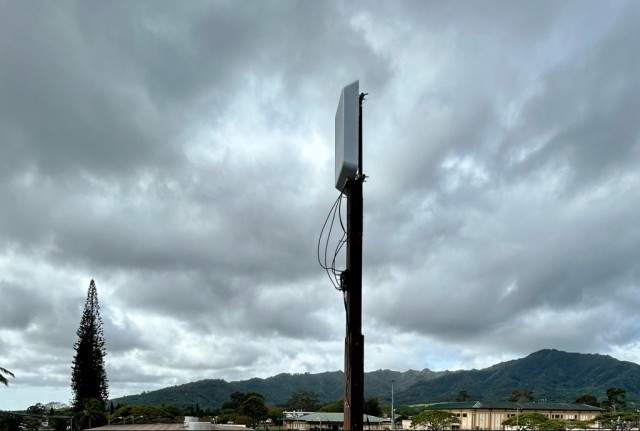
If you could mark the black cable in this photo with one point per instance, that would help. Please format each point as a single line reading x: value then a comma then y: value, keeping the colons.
x: 343, y: 238
x: 334, y: 273
x: 330, y: 268
x: 341, y: 243
x: 324, y: 266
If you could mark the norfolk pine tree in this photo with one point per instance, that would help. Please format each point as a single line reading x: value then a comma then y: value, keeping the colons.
x: 89, y: 377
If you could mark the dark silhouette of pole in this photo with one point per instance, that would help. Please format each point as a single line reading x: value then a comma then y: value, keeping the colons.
x: 354, y: 340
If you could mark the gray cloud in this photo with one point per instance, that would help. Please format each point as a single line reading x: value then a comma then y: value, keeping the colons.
x: 182, y: 155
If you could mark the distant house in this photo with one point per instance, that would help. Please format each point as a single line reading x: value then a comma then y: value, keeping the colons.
x: 476, y: 415
x: 321, y: 421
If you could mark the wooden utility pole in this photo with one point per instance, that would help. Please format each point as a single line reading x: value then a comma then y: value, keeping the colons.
x: 354, y: 340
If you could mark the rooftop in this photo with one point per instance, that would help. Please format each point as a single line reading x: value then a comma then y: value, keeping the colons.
x: 165, y: 427
x: 505, y: 405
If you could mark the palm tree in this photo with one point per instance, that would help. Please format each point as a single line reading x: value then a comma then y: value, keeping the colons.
x: 92, y: 408
x: 3, y: 379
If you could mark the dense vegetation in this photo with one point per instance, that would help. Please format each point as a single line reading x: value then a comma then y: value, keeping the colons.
x: 547, y: 374
x: 251, y: 409
x: 242, y: 408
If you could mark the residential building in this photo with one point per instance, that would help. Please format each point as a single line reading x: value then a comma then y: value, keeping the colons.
x: 476, y: 415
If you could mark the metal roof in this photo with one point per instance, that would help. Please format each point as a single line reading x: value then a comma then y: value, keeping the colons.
x: 335, y: 417
x: 141, y: 427
x: 166, y: 427
x: 505, y: 405
x: 452, y: 405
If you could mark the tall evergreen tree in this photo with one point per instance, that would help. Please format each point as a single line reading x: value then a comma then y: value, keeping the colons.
x: 89, y: 377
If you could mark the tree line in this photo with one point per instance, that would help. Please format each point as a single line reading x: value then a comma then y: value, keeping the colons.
x: 242, y: 408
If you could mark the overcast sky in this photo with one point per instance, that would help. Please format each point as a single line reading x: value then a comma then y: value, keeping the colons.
x: 182, y: 155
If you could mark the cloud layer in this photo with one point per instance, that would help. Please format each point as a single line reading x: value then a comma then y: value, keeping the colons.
x: 182, y: 156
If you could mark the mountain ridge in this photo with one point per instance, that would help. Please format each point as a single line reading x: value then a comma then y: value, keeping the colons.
x: 549, y: 374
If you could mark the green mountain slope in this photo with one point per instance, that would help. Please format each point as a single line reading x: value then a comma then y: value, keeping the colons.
x: 549, y: 374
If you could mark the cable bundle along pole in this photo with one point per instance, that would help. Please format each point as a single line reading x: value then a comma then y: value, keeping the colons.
x: 328, y: 260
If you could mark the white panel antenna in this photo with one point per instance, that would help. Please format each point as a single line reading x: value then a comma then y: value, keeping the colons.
x: 347, y: 134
